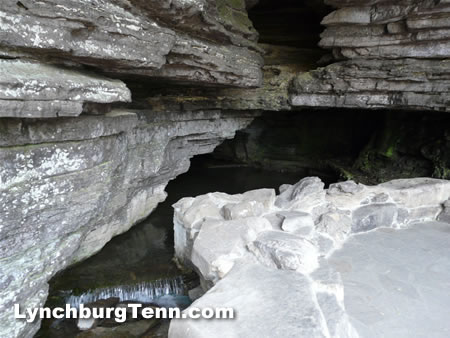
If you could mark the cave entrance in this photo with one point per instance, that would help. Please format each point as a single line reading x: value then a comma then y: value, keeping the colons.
x: 289, y: 30
x: 367, y: 146
x: 139, y: 263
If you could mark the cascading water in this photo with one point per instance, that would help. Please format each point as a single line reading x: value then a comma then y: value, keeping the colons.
x: 145, y: 292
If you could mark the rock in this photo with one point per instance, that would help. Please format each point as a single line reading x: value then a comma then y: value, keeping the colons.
x: 372, y: 216
x: 196, y: 293
x: 444, y: 216
x: 89, y: 323
x: 31, y: 89
x: 264, y: 196
x: 387, y: 273
x: 371, y: 84
x: 244, y: 260
x: 298, y: 317
x: 243, y: 209
x: 70, y: 185
x: 418, y: 192
x: 285, y: 251
x: 127, y: 330
x: 335, y: 223
x: 275, y: 220
x: 189, y: 216
x: 299, y: 223
x: 376, y: 38
x: 281, y: 63
x: 193, y: 41
x: 220, y: 243
x: 303, y: 196
x: 347, y: 187
x: 338, y: 322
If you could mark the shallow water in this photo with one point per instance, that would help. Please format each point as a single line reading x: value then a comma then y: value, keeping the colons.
x: 144, y: 254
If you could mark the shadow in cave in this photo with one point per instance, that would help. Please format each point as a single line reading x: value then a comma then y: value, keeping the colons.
x: 289, y: 31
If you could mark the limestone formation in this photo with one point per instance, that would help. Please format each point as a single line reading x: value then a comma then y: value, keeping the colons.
x: 398, y: 55
x: 149, y: 38
x: 248, y: 262
x: 68, y: 185
x: 30, y: 89
x: 103, y: 102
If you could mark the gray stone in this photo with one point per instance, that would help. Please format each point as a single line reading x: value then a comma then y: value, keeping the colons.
x: 285, y: 251
x: 230, y: 256
x: 31, y: 89
x: 68, y: 186
x: 397, y: 51
x: 196, y: 293
x: 336, y: 223
x: 347, y: 187
x: 219, y: 243
x: 132, y: 329
x: 444, y: 216
x: 372, y: 216
x: 304, y: 195
x: 243, y: 209
x: 300, y: 223
x: 418, y: 192
x: 298, y: 317
x: 395, y: 281
x: 375, y: 83
x: 193, y: 41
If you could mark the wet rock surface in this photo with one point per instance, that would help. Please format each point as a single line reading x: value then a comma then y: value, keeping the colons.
x: 252, y: 255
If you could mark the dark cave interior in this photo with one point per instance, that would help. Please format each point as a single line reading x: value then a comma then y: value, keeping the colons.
x: 290, y: 23
x: 363, y: 145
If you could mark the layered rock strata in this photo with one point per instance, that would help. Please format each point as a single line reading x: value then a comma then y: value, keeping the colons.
x: 195, y: 41
x: 70, y: 184
x: 387, y: 55
x: 398, y: 57
x: 36, y: 90
x: 266, y: 255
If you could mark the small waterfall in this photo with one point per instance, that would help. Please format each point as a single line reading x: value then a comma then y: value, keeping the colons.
x: 145, y: 292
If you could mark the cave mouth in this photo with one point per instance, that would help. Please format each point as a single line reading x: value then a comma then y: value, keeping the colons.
x: 367, y: 146
x: 139, y: 263
x: 289, y: 31
x: 291, y: 23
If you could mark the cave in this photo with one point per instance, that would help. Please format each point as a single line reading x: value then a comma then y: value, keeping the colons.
x: 289, y: 23
x: 288, y: 160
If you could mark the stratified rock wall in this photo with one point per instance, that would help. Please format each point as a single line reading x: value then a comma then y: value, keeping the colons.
x: 68, y: 185
x: 76, y: 170
x: 36, y: 90
x: 397, y: 55
x: 150, y: 38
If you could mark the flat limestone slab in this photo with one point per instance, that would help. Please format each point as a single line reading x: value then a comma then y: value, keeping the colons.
x: 397, y: 282
x: 256, y: 299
